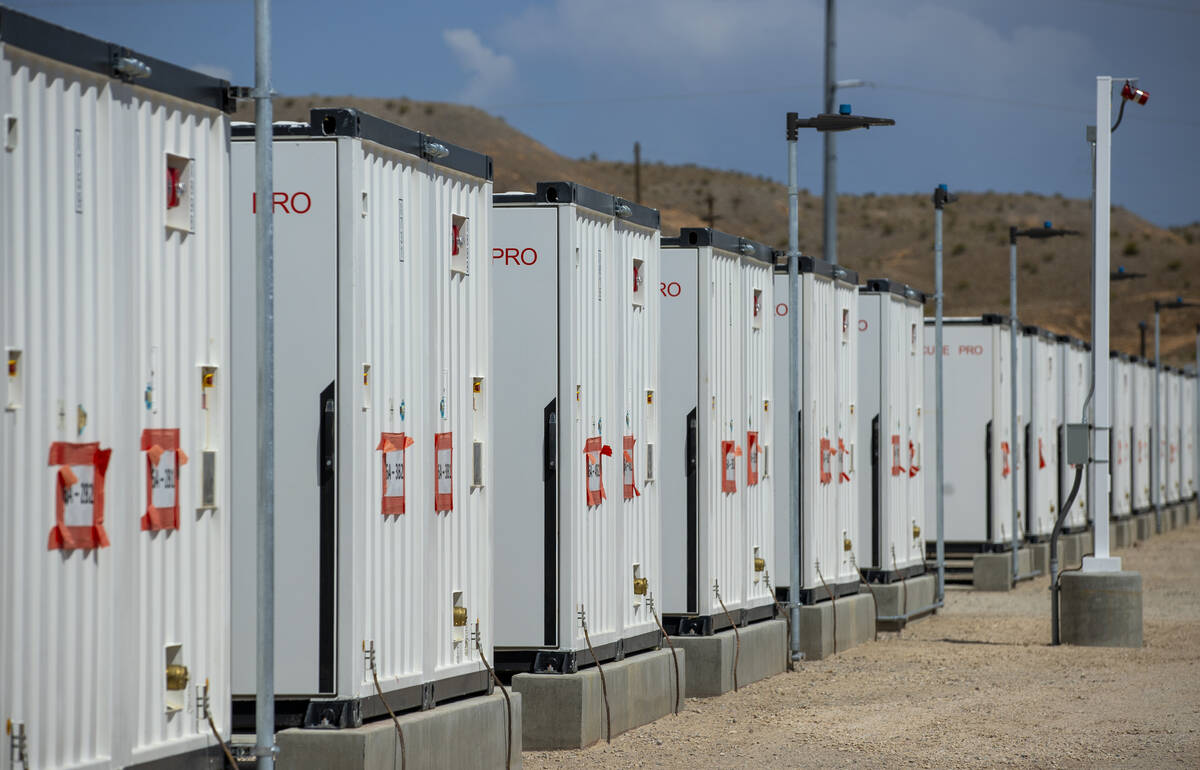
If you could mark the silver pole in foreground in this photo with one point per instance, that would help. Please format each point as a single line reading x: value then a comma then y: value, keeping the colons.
x: 829, y: 194
x: 941, y: 197
x: 1155, y: 447
x: 264, y: 700
x: 793, y: 262
x: 1013, y: 454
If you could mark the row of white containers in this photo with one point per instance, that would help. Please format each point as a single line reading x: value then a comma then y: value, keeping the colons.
x: 1053, y: 384
x: 383, y: 404
x: 114, y: 449
x: 576, y: 323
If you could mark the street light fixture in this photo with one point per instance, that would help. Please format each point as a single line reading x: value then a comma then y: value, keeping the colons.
x: 1047, y: 230
x: 1155, y: 446
x: 844, y: 121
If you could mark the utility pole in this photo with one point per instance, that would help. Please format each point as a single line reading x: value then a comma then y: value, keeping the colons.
x: 941, y: 197
x: 1142, y: 331
x: 829, y: 195
x: 712, y: 216
x: 637, y: 172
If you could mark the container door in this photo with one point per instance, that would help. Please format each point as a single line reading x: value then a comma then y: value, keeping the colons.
x: 306, y: 280
x: 525, y: 476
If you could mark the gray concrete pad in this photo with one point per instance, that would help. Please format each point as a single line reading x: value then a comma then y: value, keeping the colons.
x: 1121, y: 533
x: 566, y: 711
x: 855, y: 624
x: 461, y: 734
x: 1070, y: 550
x: 912, y: 597
x: 1101, y: 609
x: 763, y: 653
x: 1144, y: 525
x: 993, y: 571
x: 1039, y: 557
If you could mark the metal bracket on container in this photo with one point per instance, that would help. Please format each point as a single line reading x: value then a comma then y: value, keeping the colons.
x: 428, y: 700
x: 332, y: 714
x: 697, y: 626
x: 555, y: 662
x: 17, y: 748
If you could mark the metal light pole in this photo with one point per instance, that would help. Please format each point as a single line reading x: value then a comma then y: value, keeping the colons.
x: 941, y: 196
x: 829, y: 193
x: 1142, y: 332
x: 264, y: 699
x: 824, y: 123
x: 1039, y: 233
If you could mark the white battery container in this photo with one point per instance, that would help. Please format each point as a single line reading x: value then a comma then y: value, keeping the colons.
x: 829, y: 460
x: 114, y: 446
x: 1121, y: 451
x: 891, y: 334
x: 716, y: 406
x: 383, y: 410
x: 978, y: 453
x: 1074, y: 357
x: 1174, y: 429
x: 1187, y: 443
x: 1041, y: 401
x: 1140, y: 443
x: 575, y: 319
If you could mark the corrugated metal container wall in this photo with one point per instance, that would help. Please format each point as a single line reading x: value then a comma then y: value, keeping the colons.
x: 62, y: 321
x: 111, y: 301
x: 1121, y: 373
x: 760, y: 403
x: 1160, y: 430
x: 460, y: 575
x: 914, y: 364
x: 978, y: 491
x: 1174, y: 426
x: 180, y: 310
x: 1189, y: 436
x: 1143, y: 410
x: 846, y: 438
x: 1044, y: 388
x: 1073, y: 360
x: 637, y: 274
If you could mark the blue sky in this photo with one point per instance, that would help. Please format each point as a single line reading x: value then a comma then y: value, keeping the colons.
x: 987, y: 95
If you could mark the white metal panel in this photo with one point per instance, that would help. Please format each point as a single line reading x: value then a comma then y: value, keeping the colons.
x: 458, y: 543
x: 1159, y: 430
x: 760, y: 403
x: 1174, y: 427
x: 639, y: 304
x: 61, y: 307
x: 978, y: 490
x: 1042, y: 384
x: 179, y: 597
x: 915, y: 534
x: 1073, y: 361
x: 846, y: 437
x: 1121, y: 372
x: 874, y: 401
x: 1188, y: 440
x: 1140, y: 447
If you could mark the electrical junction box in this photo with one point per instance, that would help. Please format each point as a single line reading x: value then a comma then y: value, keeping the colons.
x: 1077, y: 443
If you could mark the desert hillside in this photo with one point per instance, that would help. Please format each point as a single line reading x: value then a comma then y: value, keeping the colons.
x: 880, y: 235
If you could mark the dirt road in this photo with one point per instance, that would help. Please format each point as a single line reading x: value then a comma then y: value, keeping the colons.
x: 975, y: 686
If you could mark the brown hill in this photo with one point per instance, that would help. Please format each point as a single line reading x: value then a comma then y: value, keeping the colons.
x: 880, y: 235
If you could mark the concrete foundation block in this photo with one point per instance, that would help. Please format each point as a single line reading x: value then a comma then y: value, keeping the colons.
x: 1101, y: 609
x: 855, y: 621
x: 1121, y: 533
x: 1070, y: 551
x: 993, y: 571
x: 913, y: 597
x: 566, y: 711
x: 1039, y: 558
x: 1144, y: 525
x: 710, y: 658
x: 462, y: 734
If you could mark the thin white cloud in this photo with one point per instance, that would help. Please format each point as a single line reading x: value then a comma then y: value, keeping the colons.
x: 214, y: 70
x: 487, y: 72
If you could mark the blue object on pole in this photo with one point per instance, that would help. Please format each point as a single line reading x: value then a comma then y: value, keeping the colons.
x: 943, y: 187
x: 844, y: 109
x: 1047, y: 224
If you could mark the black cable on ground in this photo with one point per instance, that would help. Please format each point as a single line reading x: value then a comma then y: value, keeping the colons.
x: 737, y: 637
x: 833, y: 604
x: 789, y: 664
x: 507, y: 700
x: 674, y: 656
x: 603, y: 683
x: 392, y: 714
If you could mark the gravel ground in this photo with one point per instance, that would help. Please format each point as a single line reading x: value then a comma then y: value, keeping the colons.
x: 976, y: 685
